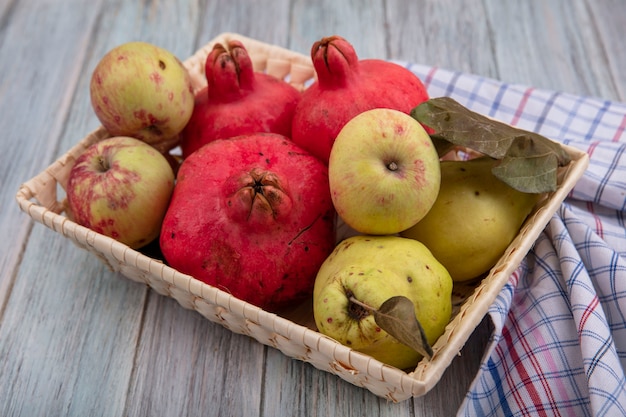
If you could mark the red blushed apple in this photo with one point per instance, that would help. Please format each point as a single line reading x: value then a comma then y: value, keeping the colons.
x: 143, y: 91
x: 121, y: 187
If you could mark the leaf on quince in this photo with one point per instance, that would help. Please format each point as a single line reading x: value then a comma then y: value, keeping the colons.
x: 528, y: 166
x: 397, y: 317
x: 528, y: 161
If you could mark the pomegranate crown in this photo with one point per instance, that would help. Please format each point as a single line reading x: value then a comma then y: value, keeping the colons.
x: 229, y: 71
x: 335, y: 61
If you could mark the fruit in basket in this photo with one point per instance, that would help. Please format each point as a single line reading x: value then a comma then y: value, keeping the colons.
x: 345, y: 87
x: 251, y: 215
x: 383, y: 171
x: 237, y: 100
x: 121, y: 187
x: 143, y: 91
x: 475, y: 218
x: 371, y: 270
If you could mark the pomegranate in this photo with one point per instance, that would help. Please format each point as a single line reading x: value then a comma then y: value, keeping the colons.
x: 237, y: 100
x: 251, y: 215
x: 345, y: 87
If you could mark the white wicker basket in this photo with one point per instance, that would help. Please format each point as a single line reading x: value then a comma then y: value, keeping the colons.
x: 293, y: 333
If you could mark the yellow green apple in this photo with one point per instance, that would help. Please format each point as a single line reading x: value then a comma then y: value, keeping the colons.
x: 121, y: 187
x: 383, y: 172
x: 142, y: 90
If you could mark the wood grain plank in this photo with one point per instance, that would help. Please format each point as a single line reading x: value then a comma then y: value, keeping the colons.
x: 305, y: 391
x: 551, y: 45
x: 442, y: 33
x: 67, y: 340
x: 610, y: 26
x: 264, y: 20
x: 450, y: 391
x: 362, y: 23
x: 80, y: 360
x: 187, y: 365
x: 38, y: 80
x: 6, y: 14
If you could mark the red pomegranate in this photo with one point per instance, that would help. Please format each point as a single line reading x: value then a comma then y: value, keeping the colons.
x: 345, y: 87
x: 251, y: 215
x: 237, y: 100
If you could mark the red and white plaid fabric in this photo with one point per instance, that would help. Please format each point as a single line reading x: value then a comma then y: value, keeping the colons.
x: 559, y: 345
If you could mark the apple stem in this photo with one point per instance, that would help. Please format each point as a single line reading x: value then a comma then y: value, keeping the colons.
x: 102, y: 163
x: 361, y: 304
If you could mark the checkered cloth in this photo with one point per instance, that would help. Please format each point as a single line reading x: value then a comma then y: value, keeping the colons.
x: 559, y: 344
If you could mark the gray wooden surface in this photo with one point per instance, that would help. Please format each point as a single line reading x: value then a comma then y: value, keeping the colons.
x: 76, y: 339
